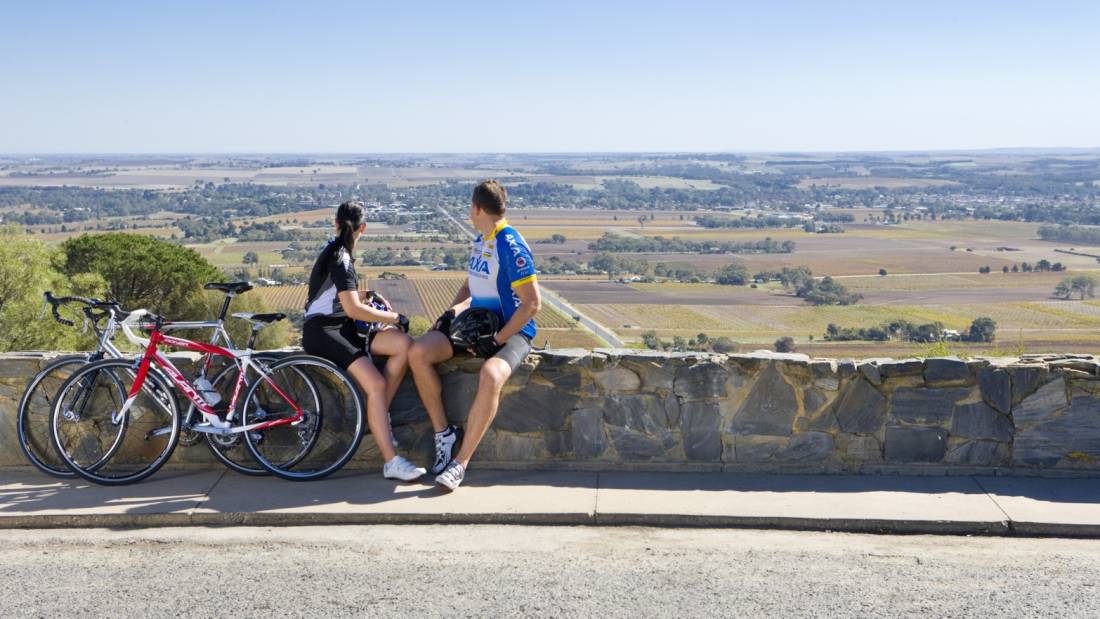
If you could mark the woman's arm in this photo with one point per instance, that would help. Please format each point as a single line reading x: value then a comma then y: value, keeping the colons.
x: 357, y: 310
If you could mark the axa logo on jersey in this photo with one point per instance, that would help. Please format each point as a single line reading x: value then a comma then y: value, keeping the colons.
x: 479, y: 265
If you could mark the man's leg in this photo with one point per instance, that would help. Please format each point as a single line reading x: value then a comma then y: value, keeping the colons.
x: 494, y: 373
x: 394, y: 345
x: 426, y: 352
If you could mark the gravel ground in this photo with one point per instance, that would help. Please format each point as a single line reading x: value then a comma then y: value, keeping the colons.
x: 541, y: 571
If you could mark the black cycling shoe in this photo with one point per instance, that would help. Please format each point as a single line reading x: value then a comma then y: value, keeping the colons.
x: 446, y: 444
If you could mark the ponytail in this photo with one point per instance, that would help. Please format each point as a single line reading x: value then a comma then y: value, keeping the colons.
x: 347, y: 236
x: 349, y: 216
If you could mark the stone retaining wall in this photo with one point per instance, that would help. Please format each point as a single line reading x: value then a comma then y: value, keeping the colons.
x: 624, y: 409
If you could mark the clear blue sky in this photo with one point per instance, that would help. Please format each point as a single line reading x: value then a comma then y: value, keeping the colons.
x: 546, y: 76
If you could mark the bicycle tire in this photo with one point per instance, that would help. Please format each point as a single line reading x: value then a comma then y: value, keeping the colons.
x: 162, y: 411
x: 338, y: 438
x: 222, y: 446
x: 36, y: 445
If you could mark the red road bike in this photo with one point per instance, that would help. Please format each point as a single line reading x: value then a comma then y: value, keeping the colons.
x: 300, y: 417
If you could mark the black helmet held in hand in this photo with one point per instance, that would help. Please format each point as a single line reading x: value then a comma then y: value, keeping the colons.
x: 473, y: 324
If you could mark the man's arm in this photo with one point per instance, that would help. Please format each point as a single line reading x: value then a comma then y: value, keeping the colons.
x: 530, y: 303
x: 461, y: 296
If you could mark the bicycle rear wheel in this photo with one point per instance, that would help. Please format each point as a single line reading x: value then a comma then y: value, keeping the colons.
x: 86, y: 419
x: 230, y: 449
x: 325, y: 439
x: 33, y: 419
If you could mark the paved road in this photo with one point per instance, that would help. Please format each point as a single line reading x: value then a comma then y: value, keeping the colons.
x: 493, y: 571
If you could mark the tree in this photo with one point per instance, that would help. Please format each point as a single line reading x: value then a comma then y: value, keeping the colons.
x: 25, y: 273
x: 732, y: 275
x: 795, y: 278
x: 1080, y: 285
x: 606, y: 263
x: 724, y: 345
x: 250, y: 258
x: 784, y: 344
x: 982, y: 329
x: 142, y: 271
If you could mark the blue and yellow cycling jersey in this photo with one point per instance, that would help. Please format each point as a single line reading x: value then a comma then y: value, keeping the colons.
x: 497, y: 266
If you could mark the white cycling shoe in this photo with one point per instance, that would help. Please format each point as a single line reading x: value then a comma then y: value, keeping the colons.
x: 402, y: 469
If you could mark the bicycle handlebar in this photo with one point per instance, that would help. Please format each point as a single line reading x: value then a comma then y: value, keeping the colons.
x: 132, y: 320
x: 57, y: 302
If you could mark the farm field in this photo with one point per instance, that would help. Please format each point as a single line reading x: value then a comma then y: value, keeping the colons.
x: 1065, y: 325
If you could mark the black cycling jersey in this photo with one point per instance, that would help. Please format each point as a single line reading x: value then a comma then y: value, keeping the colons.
x: 334, y: 272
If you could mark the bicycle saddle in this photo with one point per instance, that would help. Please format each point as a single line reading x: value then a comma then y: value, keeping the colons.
x: 264, y: 318
x: 229, y: 287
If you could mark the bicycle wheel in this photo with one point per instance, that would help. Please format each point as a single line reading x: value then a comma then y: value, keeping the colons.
x: 230, y: 449
x: 33, y: 418
x: 86, y: 416
x: 325, y: 439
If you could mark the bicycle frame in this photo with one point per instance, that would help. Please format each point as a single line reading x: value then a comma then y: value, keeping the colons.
x: 242, y: 359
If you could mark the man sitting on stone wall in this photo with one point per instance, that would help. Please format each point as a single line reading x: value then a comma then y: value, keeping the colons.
x: 501, y: 278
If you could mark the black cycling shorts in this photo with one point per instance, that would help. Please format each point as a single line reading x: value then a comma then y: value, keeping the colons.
x: 335, y: 339
x: 513, y: 353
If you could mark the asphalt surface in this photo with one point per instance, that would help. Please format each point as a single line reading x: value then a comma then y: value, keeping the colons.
x: 539, y: 571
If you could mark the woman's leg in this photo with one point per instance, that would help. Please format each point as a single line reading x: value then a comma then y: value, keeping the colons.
x: 374, y: 386
x: 394, y: 345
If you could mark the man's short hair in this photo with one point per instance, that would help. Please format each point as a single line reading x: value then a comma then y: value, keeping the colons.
x: 491, y: 197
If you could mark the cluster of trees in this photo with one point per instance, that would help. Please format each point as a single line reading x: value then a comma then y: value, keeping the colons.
x: 982, y: 329
x: 821, y: 223
x: 659, y: 244
x: 760, y: 221
x: 1080, y: 286
x: 800, y: 280
x: 733, y: 274
x: 701, y: 342
x: 554, y: 239
x: 1071, y: 234
x: 822, y: 228
x: 1041, y: 266
x: 206, y: 200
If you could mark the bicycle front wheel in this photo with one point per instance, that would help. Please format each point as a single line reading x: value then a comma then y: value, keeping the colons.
x: 33, y: 418
x: 88, y: 418
x: 325, y: 439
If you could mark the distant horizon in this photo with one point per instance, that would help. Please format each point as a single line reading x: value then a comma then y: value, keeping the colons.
x: 1004, y: 149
